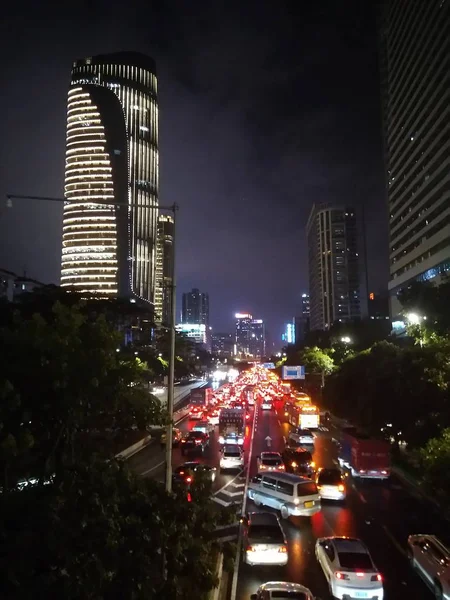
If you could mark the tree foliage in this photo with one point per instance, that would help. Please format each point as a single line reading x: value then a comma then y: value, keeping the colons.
x: 399, y: 391
x: 435, y: 462
x: 62, y: 381
x: 101, y: 532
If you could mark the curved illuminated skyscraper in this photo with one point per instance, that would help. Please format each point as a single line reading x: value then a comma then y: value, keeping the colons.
x: 111, y: 157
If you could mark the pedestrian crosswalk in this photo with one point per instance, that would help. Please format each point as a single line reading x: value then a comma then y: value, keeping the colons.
x: 323, y: 428
x: 231, y: 493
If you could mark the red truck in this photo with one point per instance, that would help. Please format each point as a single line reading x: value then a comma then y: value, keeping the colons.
x: 366, y: 457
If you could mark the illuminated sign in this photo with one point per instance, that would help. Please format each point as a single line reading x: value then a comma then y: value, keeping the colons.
x: 293, y: 372
x: 268, y: 365
x: 243, y: 316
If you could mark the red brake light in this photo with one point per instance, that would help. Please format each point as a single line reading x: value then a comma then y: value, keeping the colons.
x: 188, y: 479
x: 282, y: 549
x: 342, y: 576
x: 341, y: 488
x: 376, y: 577
x: 250, y: 549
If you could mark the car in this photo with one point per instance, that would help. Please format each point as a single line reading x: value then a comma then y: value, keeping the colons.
x: 231, y: 457
x: 299, y: 461
x: 264, y: 542
x: 303, y: 437
x: 196, y: 412
x: 282, y: 590
x: 431, y: 559
x: 186, y: 473
x: 270, y: 461
x: 204, y: 426
x: 349, y: 568
x: 194, y: 441
x: 266, y: 404
x: 177, y: 436
x: 331, y: 484
x: 213, y: 417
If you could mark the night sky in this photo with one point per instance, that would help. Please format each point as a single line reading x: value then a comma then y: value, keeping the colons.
x: 266, y: 108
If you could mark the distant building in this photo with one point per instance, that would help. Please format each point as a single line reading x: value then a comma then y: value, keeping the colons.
x: 415, y: 47
x: 250, y: 338
x: 164, y: 258
x: 222, y: 344
x: 195, y: 308
x: 334, y: 273
x: 378, y: 306
x: 302, y: 320
x: 111, y: 160
x: 13, y: 285
x: 288, y: 336
x: 196, y: 332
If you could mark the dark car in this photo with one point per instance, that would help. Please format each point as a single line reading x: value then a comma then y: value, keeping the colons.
x: 299, y: 461
x: 194, y: 441
x: 186, y: 473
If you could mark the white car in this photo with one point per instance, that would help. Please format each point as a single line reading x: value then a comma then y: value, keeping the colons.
x: 264, y: 540
x: 349, y: 568
x: 303, y: 437
x: 282, y: 590
x: 231, y: 457
x: 432, y: 560
x: 266, y: 404
x: 270, y: 461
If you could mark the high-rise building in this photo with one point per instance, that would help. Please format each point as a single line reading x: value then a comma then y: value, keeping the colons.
x: 288, y: 336
x: 195, y: 308
x: 334, y: 277
x: 250, y: 337
x: 302, y: 320
x: 222, y: 344
x: 111, y: 156
x: 415, y: 47
x: 164, y: 258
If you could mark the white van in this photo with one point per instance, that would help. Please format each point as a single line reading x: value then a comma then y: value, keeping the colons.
x: 288, y: 493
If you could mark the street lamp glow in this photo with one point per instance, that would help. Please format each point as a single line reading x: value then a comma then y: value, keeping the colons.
x: 414, y: 318
x: 346, y: 339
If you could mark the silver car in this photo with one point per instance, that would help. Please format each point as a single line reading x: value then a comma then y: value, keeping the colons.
x: 431, y: 559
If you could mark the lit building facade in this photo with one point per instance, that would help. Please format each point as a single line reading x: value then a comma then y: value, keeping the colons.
x: 164, y: 262
x: 222, y: 344
x: 111, y: 157
x: 302, y: 320
x: 196, y: 332
x: 289, y: 333
x: 415, y: 47
x: 250, y: 340
x: 333, y: 262
x: 195, y: 307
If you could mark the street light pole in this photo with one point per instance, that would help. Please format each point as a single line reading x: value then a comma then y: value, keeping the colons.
x: 171, y: 380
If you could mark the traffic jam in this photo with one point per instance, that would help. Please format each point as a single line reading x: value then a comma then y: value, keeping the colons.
x: 282, y: 483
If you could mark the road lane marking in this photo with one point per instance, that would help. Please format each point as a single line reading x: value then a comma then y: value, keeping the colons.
x: 360, y: 496
x: 231, y: 494
x: 219, y: 501
x: 237, y: 558
x: 394, y: 541
x: 153, y: 468
x: 228, y: 483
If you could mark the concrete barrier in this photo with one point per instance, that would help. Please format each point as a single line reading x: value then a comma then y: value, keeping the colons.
x: 135, y: 448
x: 218, y: 592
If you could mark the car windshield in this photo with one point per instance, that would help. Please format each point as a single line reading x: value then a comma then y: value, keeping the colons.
x: 271, y: 462
x: 196, y: 434
x: 304, y: 433
x: 266, y: 533
x: 329, y: 477
x: 303, y: 457
x: 306, y: 489
x: 355, y: 560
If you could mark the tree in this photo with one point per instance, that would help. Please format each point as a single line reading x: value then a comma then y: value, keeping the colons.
x: 397, y: 392
x: 63, y: 382
x: 435, y: 462
x: 101, y: 532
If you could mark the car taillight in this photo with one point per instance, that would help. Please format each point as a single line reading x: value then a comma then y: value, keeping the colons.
x: 312, y: 464
x: 342, y: 576
x: 341, y: 488
x: 376, y: 577
x: 250, y: 549
x: 188, y: 479
x: 362, y: 471
x: 282, y: 549
x: 183, y: 441
x: 281, y: 467
x: 384, y: 472
x: 198, y: 441
x: 294, y: 464
x: 319, y: 487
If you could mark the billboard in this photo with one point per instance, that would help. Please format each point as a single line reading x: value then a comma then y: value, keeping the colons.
x: 293, y: 372
x: 268, y: 365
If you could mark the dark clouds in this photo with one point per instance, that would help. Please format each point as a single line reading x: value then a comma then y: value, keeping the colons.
x: 265, y: 108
